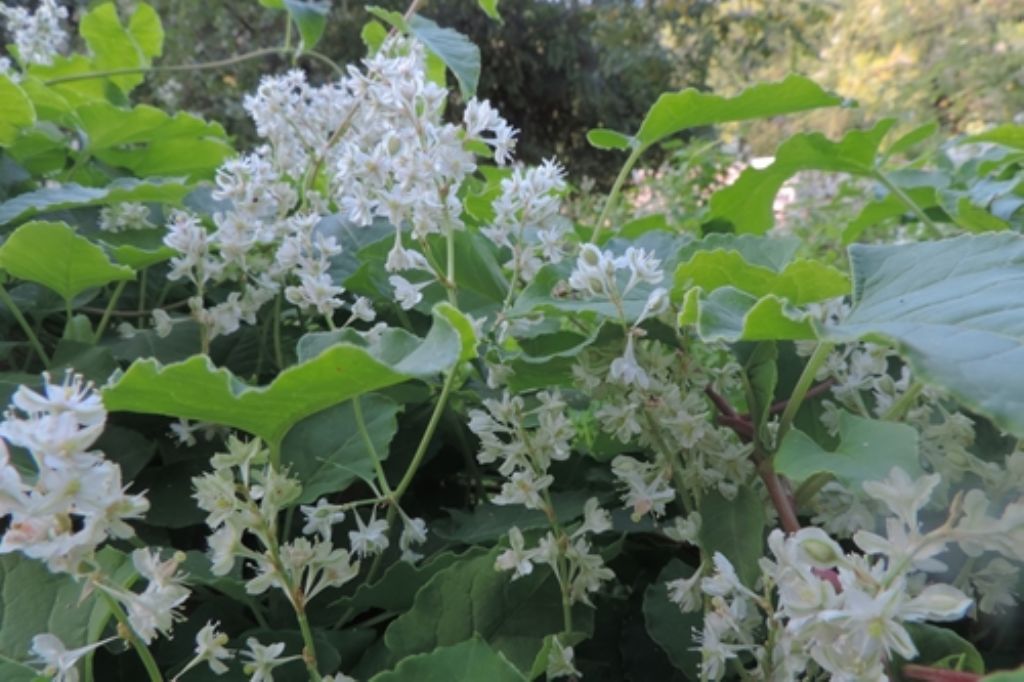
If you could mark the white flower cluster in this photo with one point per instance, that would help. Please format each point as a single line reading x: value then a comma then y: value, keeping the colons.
x: 844, y: 613
x: 668, y: 415
x: 380, y: 137
x: 524, y: 455
x: 76, y: 499
x: 154, y: 610
x: 125, y: 216
x: 38, y: 36
x: 244, y: 495
x: 527, y: 219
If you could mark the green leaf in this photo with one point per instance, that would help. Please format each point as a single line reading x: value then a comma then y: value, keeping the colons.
x: 138, y: 249
x: 734, y: 527
x: 1008, y: 135
x: 773, y: 253
x: 390, y: 17
x: 690, y: 108
x: 458, y: 53
x: 953, y: 309
x: 890, y: 206
x: 912, y: 138
x: 802, y: 281
x: 16, y: 111
x: 747, y: 203
x: 490, y: 8
x: 728, y: 314
x: 373, y: 34
x: 937, y: 646
x: 761, y: 375
x: 1005, y: 676
x: 71, y: 195
x: 146, y: 29
x: 310, y: 16
x: 52, y: 254
x: 13, y: 671
x: 471, y: 598
x: 603, y: 138
x: 490, y: 522
x: 148, y: 141
x: 327, y: 452
x: 867, y: 450
x: 272, y: 4
x: 667, y: 625
x: 112, y: 46
x: 472, y: 659
x: 195, y: 389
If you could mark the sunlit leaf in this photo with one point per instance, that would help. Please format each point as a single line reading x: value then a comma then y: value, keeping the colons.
x: 16, y: 111
x: 53, y: 255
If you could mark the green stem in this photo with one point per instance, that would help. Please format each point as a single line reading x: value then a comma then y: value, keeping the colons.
x: 309, y: 646
x: 176, y: 68
x: 140, y: 647
x: 906, y: 401
x: 278, y: 353
x: 142, y: 291
x: 452, y: 296
x: 25, y: 326
x: 357, y: 410
x: 910, y: 203
x: 428, y: 434
x: 814, y: 363
x: 613, y: 196
x: 105, y: 320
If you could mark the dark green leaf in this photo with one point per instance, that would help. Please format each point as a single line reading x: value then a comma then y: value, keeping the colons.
x: 327, y: 452
x: 734, y: 527
x: 668, y: 626
x: 867, y: 450
x: 472, y: 659
x: 460, y: 55
x: 71, y: 195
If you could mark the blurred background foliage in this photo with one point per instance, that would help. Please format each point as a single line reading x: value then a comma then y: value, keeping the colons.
x: 557, y: 68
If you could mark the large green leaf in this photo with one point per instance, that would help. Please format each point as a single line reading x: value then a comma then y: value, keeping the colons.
x: 690, y: 108
x: 734, y: 527
x: 457, y: 51
x: 1009, y: 134
x: 327, y: 452
x: 473, y: 659
x: 113, y: 46
x: 867, y: 450
x: 195, y: 389
x: 16, y: 111
x: 149, y: 142
x: 471, y: 598
x: 52, y: 254
x: 490, y: 8
x: 953, y: 308
x: 667, y: 625
x: 747, y: 203
x: 71, y: 195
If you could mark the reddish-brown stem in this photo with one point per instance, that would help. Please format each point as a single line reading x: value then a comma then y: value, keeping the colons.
x: 812, y: 392
x: 720, y: 402
x: 927, y: 674
x: 781, y: 499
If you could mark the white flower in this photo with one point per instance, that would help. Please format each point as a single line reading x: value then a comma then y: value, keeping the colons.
x: 525, y: 488
x: 407, y: 294
x: 58, y: 661
x: 210, y: 647
x: 369, y: 538
x: 686, y: 593
x: 162, y: 323
x: 904, y: 496
x: 516, y: 558
x: 626, y: 370
x: 595, y: 519
x: 262, y: 659
x: 321, y: 517
x: 414, y: 532
x: 363, y: 309
x: 560, y: 661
